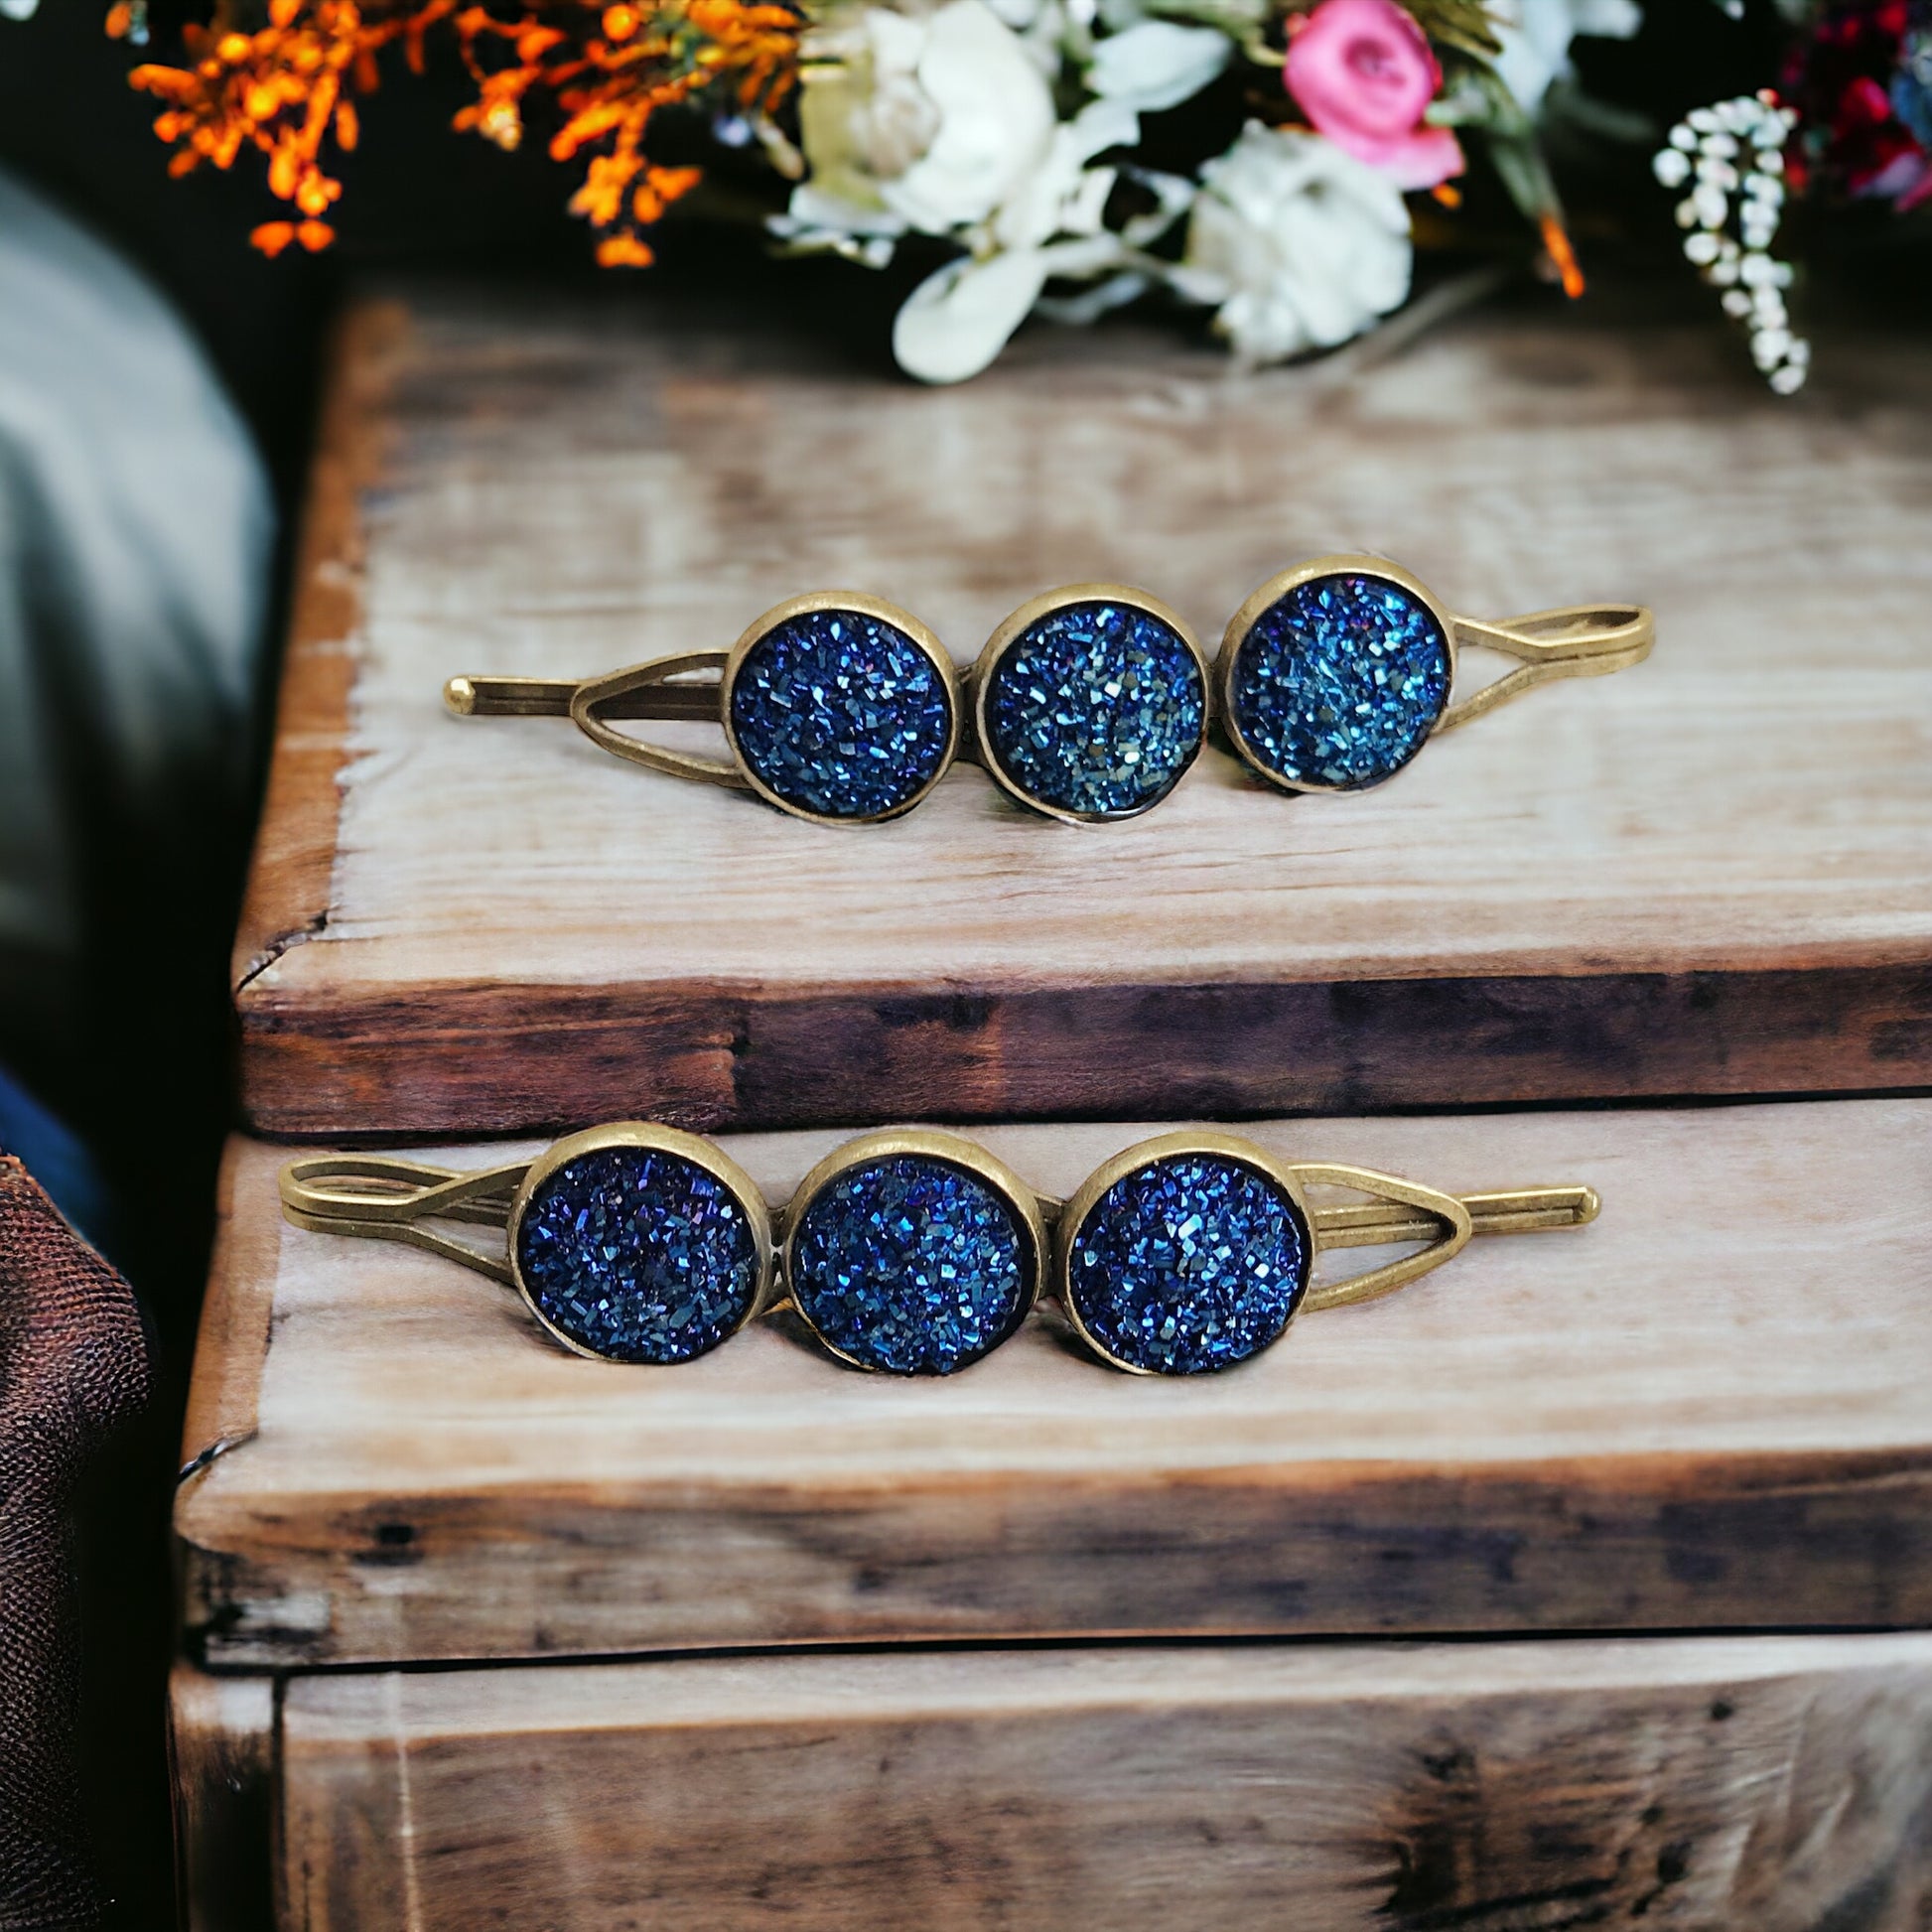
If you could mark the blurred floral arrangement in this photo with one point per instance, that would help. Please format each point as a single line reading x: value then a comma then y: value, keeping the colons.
x: 1014, y: 132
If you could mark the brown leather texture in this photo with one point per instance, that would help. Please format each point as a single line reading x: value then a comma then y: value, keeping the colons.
x: 73, y: 1365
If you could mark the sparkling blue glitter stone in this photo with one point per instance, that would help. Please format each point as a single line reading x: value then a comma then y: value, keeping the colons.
x: 637, y: 1255
x: 1188, y: 1264
x: 1340, y: 681
x: 841, y: 714
x: 910, y: 1265
x: 1097, y: 708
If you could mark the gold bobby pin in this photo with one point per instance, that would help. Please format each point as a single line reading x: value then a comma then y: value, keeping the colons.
x: 1088, y: 702
x: 912, y: 1250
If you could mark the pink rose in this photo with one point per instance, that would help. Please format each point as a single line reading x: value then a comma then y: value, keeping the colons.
x: 1363, y: 74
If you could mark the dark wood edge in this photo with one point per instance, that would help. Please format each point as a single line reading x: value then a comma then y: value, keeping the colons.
x: 221, y: 1749
x: 461, y: 1062
x: 232, y: 1341
x: 289, y: 873
x: 1838, y: 1540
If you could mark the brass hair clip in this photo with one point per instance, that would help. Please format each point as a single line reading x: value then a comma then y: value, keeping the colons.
x: 1088, y: 702
x: 913, y: 1251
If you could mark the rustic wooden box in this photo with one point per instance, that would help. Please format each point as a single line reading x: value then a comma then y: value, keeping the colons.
x: 1705, y: 876
x: 1704, y: 1412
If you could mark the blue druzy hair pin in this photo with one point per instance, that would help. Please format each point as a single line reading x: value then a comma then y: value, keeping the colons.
x: 1088, y: 702
x: 914, y: 1252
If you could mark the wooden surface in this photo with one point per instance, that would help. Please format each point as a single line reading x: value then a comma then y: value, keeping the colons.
x: 1709, y: 875
x: 221, y: 1749
x: 1776, y: 1784
x: 1708, y: 1410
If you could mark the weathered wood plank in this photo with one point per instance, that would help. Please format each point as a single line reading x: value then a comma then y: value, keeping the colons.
x: 1707, y: 875
x: 232, y: 1336
x: 289, y: 872
x: 1707, y: 1410
x: 221, y: 1749
x: 1777, y: 1783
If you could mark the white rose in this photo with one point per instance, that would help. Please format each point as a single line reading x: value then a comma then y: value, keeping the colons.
x: 926, y: 123
x: 1536, y: 36
x: 1298, y: 244
x: 1158, y: 64
x: 959, y: 318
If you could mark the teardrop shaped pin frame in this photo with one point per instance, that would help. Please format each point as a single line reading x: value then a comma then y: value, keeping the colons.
x: 698, y: 687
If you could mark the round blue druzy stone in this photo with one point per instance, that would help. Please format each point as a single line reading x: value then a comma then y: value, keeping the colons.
x: 638, y: 1255
x: 841, y: 714
x: 1190, y: 1263
x: 910, y: 1265
x: 1096, y: 708
x: 1338, y: 682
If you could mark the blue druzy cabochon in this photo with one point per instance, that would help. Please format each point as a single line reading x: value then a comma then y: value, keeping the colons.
x: 1190, y: 1263
x: 1096, y: 708
x: 1339, y: 681
x: 841, y: 714
x: 911, y: 1265
x: 638, y: 1255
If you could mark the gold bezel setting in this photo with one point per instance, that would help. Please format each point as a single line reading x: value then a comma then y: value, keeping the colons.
x: 1017, y: 625
x: 1272, y: 593
x: 865, y: 605
x: 1209, y: 1142
x: 944, y: 1149
x: 646, y: 1137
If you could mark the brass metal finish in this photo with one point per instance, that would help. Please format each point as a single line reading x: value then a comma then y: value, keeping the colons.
x: 382, y: 1199
x: 399, y: 1196
x: 587, y: 713
x: 695, y: 687
x: 926, y: 1144
x: 1023, y: 620
x: 1583, y: 640
x: 1580, y: 640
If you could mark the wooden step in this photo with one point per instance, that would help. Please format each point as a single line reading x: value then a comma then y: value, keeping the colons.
x: 1706, y: 875
x: 1706, y: 1410
x: 1776, y: 1783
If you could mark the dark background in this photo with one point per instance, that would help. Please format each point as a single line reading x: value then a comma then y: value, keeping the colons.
x: 419, y: 196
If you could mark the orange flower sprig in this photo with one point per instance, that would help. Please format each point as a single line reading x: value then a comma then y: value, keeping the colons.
x: 284, y: 91
x: 611, y: 82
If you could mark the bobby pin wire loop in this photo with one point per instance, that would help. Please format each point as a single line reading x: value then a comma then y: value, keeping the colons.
x: 913, y: 1251
x: 1088, y: 703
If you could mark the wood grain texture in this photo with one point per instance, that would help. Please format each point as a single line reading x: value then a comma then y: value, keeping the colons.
x: 1708, y: 1410
x: 1780, y: 1784
x: 1709, y: 875
x: 221, y: 1749
x: 232, y: 1334
x: 289, y: 875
